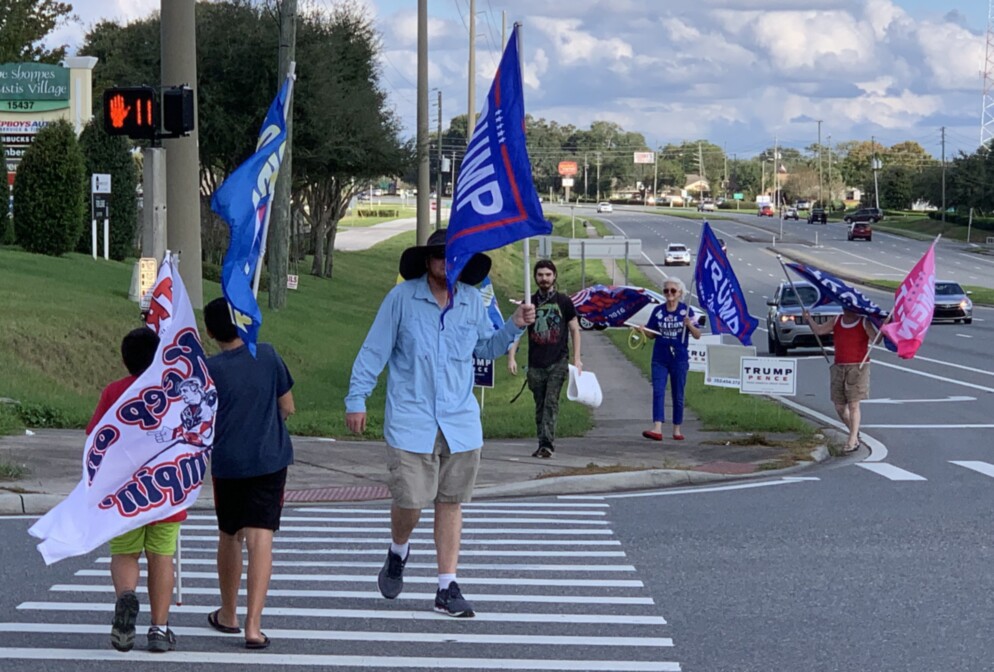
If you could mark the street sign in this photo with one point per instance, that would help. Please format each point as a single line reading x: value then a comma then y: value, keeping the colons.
x: 645, y: 157
x: 100, y: 207
x: 567, y: 182
x: 738, y: 197
x: 100, y: 183
x: 605, y: 248
x: 568, y: 168
x: 769, y: 375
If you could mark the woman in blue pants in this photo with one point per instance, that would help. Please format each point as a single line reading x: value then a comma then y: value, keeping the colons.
x: 672, y: 324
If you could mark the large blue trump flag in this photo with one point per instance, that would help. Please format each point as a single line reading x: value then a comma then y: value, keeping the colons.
x: 833, y: 290
x: 495, y: 202
x: 244, y: 200
x: 719, y: 292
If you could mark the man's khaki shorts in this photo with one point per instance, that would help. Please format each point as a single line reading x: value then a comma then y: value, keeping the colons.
x: 850, y: 383
x: 418, y: 479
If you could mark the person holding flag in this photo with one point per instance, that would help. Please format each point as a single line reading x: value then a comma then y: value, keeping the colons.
x: 432, y: 426
x: 852, y: 334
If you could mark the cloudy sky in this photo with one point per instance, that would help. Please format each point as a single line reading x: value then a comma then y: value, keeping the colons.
x: 736, y: 72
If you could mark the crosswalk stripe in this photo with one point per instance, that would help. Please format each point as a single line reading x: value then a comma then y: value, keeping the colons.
x: 392, y: 615
x: 426, y: 520
x: 466, y: 508
x: 418, y: 565
x: 371, y: 595
x: 421, y: 530
x: 534, y: 506
x: 370, y: 636
x: 891, y: 472
x: 380, y: 553
x: 985, y: 468
x: 299, y: 659
x: 384, y: 541
x: 367, y: 578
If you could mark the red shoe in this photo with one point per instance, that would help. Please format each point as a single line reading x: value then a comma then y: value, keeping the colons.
x: 655, y: 436
x: 678, y: 437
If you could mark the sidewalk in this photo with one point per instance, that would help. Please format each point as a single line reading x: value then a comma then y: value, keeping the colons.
x: 330, y: 470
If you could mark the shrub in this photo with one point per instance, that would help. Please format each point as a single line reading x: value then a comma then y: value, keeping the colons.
x: 111, y: 154
x: 48, y: 193
x: 41, y: 415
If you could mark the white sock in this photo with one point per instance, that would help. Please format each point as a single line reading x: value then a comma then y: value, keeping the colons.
x: 400, y: 549
x: 444, y: 580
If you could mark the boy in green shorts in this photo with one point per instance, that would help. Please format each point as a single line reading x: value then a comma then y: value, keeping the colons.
x: 157, y: 540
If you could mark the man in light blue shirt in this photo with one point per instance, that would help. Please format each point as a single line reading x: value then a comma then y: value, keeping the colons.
x: 432, y: 423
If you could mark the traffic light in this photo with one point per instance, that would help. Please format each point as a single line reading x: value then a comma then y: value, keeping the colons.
x: 177, y: 111
x: 131, y: 111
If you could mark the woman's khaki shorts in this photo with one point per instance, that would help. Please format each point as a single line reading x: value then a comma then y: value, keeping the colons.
x: 850, y: 383
x: 418, y: 479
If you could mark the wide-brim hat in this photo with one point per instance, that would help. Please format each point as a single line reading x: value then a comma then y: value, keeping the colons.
x: 413, y: 261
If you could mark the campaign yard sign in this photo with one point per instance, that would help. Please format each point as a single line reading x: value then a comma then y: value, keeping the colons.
x: 769, y: 375
x: 697, y: 350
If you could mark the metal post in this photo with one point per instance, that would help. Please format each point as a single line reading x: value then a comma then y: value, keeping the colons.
x: 179, y: 66
x: 93, y: 238
x: 438, y: 191
x: 154, y: 208
x: 106, y: 240
x: 944, y: 175
x: 626, y: 261
x: 572, y: 212
x: 424, y: 166
x: 471, y: 98
x: 969, y: 226
x: 821, y: 203
x: 583, y: 264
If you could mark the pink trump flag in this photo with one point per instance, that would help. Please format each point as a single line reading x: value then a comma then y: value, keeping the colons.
x: 914, y: 303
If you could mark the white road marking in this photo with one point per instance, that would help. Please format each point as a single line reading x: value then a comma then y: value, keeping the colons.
x: 573, y: 510
x: 379, y: 552
x: 379, y: 542
x: 299, y: 660
x: 423, y: 519
x: 984, y: 468
x: 933, y: 376
x: 386, y: 530
x: 369, y: 636
x: 917, y: 401
x: 487, y: 567
x: 878, y: 451
x: 717, y: 488
x: 354, y: 614
x: 891, y: 472
x: 938, y: 426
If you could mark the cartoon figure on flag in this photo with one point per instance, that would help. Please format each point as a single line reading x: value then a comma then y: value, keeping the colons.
x: 128, y: 478
x: 719, y: 292
x: 495, y: 202
x: 244, y: 200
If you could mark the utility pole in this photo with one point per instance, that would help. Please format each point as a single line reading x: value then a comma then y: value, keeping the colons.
x: 776, y: 180
x: 724, y: 181
x: 943, y: 174
x: 438, y: 192
x: 655, y: 177
x: 821, y: 202
x: 700, y: 169
x: 875, y: 165
x: 598, y: 155
x: 471, y: 118
x: 503, y: 29
x: 424, y: 163
x: 586, y: 171
x: 279, y: 224
x: 831, y: 195
x: 179, y: 66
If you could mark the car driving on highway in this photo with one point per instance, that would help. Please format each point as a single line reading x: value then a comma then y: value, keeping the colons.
x: 676, y: 254
x: 785, y: 324
x: 952, y: 302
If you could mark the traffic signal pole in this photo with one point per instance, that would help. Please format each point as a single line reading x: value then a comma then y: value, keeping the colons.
x: 179, y: 66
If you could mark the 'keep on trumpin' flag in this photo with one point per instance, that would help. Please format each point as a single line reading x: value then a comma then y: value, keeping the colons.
x: 147, y: 457
x: 914, y: 304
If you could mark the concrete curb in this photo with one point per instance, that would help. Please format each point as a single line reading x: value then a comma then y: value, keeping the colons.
x: 40, y: 504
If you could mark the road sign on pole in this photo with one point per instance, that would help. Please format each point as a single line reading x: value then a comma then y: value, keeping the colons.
x: 645, y: 157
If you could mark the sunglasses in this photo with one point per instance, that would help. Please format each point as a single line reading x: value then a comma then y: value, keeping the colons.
x: 671, y: 290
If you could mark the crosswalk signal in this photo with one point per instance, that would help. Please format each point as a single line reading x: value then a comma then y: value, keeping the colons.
x: 177, y: 111
x: 131, y: 111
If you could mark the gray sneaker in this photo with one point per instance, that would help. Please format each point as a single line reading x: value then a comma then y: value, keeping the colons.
x: 449, y: 601
x: 160, y: 641
x: 122, y: 631
x: 391, y: 577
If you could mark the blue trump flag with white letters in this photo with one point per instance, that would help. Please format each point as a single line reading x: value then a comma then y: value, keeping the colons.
x: 244, y: 200
x: 495, y: 202
x: 719, y: 292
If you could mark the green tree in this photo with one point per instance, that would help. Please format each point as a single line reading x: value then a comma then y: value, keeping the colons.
x: 24, y: 24
x: 897, y: 187
x: 48, y: 192
x: 112, y: 154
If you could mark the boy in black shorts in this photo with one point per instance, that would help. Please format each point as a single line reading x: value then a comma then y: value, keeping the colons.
x: 252, y: 450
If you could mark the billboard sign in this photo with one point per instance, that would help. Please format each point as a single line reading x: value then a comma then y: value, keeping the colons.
x: 33, y: 87
x: 645, y: 157
x: 568, y: 168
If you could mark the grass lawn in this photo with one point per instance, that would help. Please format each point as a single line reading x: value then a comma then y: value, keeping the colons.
x: 687, y: 213
x: 368, y: 215
x: 980, y: 295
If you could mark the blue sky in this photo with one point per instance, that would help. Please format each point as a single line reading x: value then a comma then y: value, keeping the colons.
x: 736, y: 72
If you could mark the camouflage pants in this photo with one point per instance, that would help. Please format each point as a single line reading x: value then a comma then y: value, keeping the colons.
x: 546, y: 385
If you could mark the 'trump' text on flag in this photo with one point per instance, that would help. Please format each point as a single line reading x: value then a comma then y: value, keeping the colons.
x: 719, y: 292
x: 244, y: 200
x: 495, y: 202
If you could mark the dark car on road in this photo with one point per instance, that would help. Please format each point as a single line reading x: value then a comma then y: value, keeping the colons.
x: 952, y: 303
x: 861, y: 231
x: 872, y: 215
x: 785, y: 325
x: 817, y: 216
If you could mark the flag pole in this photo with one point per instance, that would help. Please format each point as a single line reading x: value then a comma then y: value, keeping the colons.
x: 876, y: 340
x: 798, y: 297
x: 526, y: 242
x: 269, y: 210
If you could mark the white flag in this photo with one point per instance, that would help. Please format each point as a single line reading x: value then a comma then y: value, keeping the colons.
x: 147, y: 457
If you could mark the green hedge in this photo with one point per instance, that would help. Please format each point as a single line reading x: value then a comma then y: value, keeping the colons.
x: 982, y: 223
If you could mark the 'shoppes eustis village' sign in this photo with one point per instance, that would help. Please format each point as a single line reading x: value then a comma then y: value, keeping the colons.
x: 33, y: 87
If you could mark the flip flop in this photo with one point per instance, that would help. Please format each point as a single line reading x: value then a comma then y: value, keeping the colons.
x: 678, y: 437
x: 256, y: 644
x: 655, y: 436
x: 850, y: 449
x: 219, y: 626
